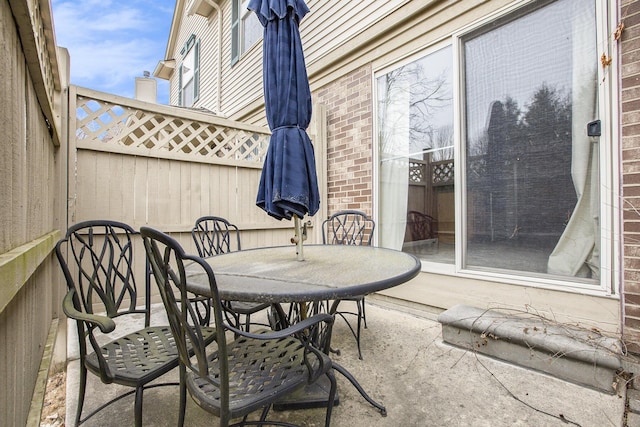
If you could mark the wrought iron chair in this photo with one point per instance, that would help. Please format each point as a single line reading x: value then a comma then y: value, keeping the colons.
x: 213, y: 235
x: 350, y: 227
x: 97, y: 261
x: 421, y: 226
x: 249, y: 373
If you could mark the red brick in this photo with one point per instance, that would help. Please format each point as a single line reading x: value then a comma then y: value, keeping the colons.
x: 631, y: 105
x: 631, y: 226
x: 633, y: 299
x: 631, y: 130
x: 632, y: 322
x: 632, y: 310
x: 631, y: 263
x: 632, y: 276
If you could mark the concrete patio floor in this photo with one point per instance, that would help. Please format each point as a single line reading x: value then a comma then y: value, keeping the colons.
x: 420, y: 380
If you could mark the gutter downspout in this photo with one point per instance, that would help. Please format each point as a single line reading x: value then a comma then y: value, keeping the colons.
x: 219, y: 76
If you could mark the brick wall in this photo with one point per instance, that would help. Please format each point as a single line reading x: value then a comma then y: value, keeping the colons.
x: 630, y: 73
x: 349, y: 138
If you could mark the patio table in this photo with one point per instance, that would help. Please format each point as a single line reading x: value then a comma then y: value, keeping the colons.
x: 328, y: 272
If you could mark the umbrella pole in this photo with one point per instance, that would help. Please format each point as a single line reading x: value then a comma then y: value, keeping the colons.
x: 298, y: 238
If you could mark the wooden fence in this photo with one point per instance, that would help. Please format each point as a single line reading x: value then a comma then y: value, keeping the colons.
x: 30, y: 213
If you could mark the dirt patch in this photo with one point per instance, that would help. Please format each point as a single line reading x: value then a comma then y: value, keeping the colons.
x: 54, y: 409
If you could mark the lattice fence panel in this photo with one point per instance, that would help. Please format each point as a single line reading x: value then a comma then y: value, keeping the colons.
x: 442, y: 173
x: 103, y: 122
x: 417, y: 172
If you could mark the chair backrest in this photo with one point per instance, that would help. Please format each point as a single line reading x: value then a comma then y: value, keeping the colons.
x: 421, y: 226
x: 96, y: 258
x: 214, y: 235
x: 167, y: 260
x: 348, y: 227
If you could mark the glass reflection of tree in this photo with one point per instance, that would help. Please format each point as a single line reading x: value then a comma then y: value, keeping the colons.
x: 428, y: 97
x: 425, y: 97
x: 389, y: 94
x: 528, y: 165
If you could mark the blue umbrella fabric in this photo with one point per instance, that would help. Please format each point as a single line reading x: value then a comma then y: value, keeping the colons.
x: 289, y: 184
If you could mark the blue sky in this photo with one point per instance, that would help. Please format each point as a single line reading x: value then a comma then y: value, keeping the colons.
x: 111, y: 42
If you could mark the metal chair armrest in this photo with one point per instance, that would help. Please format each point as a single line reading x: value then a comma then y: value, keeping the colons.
x: 294, y: 329
x: 105, y: 324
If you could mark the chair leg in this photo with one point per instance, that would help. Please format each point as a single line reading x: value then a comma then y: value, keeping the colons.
x: 348, y: 375
x: 183, y: 395
x: 359, y: 328
x: 355, y: 332
x: 138, y: 406
x: 332, y: 395
x: 265, y: 412
x: 83, y: 387
x: 247, y: 322
x: 231, y: 316
x: 364, y: 314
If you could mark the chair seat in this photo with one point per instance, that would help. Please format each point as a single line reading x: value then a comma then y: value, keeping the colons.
x: 139, y: 357
x: 258, y: 371
x: 244, y: 307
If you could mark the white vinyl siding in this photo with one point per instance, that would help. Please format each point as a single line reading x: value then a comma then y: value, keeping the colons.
x: 331, y: 24
x: 326, y: 29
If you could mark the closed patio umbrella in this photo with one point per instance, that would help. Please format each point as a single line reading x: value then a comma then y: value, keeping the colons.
x: 289, y: 184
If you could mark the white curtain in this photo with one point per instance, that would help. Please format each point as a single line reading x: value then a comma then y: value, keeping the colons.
x: 578, y: 250
x: 394, y: 165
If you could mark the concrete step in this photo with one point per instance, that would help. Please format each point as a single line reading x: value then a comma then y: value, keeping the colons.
x: 581, y: 356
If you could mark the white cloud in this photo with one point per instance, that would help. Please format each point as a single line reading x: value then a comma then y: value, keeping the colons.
x: 112, y: 41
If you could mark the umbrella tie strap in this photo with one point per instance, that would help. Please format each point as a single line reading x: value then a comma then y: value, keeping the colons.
x: 286, y: 126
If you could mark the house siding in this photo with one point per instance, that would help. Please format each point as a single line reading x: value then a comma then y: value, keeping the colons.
x: 207, y: 34
x: 630, y: 108
x: 321, y: 35
x: 242, y: 91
